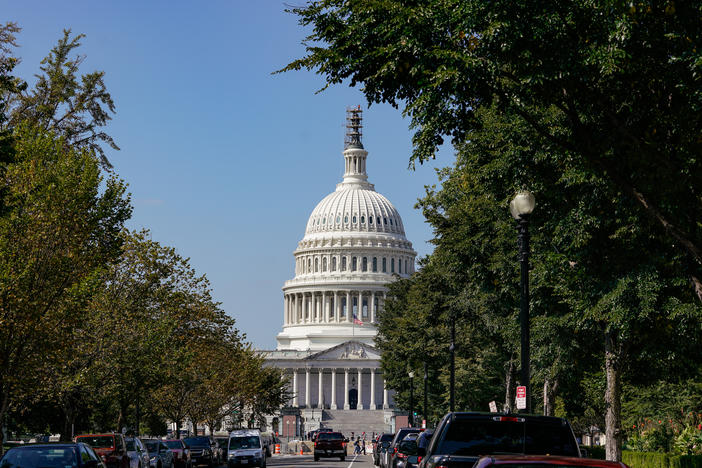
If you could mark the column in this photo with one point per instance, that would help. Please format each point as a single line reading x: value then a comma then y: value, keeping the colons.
x: 372, y: 400
x: 360, y: 390
x: 372, y: 307
x: 325, y: 310
x: 333, y: 392
x: 349, y: 307
x: 337, y: 307
x: 307, y: 388
x: 320, y: 399
x: 346, y: 388
x: 303, y: 308
x: 294, y: 402
x: 359, y: 313
x: 385, y: 395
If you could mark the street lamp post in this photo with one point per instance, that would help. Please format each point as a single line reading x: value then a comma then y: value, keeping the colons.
x: 411, y: 402
x: 521, y: 207
x: 426, y: 381
x: 452, y: 377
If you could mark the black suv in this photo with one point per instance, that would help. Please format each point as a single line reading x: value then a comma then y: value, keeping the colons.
x: 461, y: 438
x: 202, y: 451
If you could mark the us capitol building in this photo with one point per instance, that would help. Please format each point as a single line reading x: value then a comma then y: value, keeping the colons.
x: 353, y: 246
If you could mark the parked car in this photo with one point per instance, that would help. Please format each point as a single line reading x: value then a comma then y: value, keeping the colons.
x: 461, y: 439
x: 330, y: 444
x: 137, y: 452
x: 160, y: 456
x: 181, y: 454
x: 201, y: 451
x: 522, y: 461
x: 386, y: 460
x: 246, y: 448
x: 54, y: 455
x: 406, y: 448
x: 110, y: 448
x: 380, y: 446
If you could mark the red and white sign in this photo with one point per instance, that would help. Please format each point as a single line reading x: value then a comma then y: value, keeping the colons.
x: 493, y: 407
x: 521, y: 397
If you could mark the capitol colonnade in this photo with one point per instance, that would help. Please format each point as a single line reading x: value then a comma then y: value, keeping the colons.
x: 332, y: 306
x: 334, y: 388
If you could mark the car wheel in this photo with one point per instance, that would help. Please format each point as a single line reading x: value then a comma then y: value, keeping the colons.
x: 343, y: 457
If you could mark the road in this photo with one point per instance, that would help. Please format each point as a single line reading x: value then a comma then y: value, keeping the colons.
x: 307, y: 461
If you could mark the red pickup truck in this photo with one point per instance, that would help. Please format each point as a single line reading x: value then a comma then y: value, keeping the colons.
x: 330, y: 444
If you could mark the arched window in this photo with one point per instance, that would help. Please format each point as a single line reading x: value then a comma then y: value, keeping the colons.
x: 309, y: 265
x: 343, y: 307
x: 385, y: 220
x: 338, y: 219
x: 390, y: 221
x: 324, y: 264
x: 378, y: 219
x: 346, y: 219
x: 363, y: 220
x: 392, y: 265
x: 365, y: 264
x: 316, y: 265
x: 354, y: 264
x: 354, y: 219
x: 375, y: 264
x: 333, y: 264
x: 370, y: 220
x: 385, y: 265
x: 343, y: 263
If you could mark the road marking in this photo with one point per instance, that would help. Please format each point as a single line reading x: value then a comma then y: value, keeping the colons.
x: 354, y: 459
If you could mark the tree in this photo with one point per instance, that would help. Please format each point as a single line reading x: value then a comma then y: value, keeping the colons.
x: 62, y: 102
x: 60, y: 227
x: 624, y: 78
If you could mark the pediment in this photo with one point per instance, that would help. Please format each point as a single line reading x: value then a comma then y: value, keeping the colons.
x: 351, y: 350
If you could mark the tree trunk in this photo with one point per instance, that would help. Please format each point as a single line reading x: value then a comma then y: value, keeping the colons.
x: 509, y: 386
x: 177, y: 423
x: 613, y: 447
x: 550, y: 387
x: 3, y: 416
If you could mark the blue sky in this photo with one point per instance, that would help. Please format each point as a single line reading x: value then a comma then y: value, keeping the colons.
x: 225, y: 161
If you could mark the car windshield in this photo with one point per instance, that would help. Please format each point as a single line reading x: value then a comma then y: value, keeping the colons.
x: 244, y: 442
x: 131, y: 446
x: 480, y: 437
x: 98, y: 441
x: 151, y: 446
x: 386, y: 437
x: 40, y: 457
x: 221, y: 443
x: 197, y: 442
x: 330, y: 436
x: 174, y: 444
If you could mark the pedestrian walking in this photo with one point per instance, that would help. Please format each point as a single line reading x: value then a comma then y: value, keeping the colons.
x: 357, y: 446
x: 363, y: 444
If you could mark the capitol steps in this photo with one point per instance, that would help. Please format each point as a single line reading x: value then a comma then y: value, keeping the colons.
x: 356, y: 421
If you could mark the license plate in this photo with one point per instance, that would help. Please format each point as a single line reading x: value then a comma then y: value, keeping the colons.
x: 244, y: 462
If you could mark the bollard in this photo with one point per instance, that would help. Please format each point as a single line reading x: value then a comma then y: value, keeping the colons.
x: 277, y: 449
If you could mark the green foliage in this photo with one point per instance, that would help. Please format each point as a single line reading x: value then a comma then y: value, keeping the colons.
x: 689, y: 441
x: 75, y: 107
x: 660, y: 460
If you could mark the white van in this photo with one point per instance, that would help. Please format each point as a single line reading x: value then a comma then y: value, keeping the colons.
x: 245, y: 448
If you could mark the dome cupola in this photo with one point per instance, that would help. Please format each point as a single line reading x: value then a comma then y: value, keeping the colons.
x: 354, y: 245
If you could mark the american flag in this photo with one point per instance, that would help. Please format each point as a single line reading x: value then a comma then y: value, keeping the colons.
x: 356, y: 320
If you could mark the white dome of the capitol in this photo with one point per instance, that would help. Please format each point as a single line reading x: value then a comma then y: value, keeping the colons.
x: 354, y: 245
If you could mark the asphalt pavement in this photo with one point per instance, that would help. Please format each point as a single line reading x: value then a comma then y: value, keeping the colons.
x: 307, y: 461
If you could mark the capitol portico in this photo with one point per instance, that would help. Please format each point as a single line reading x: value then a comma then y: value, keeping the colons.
x: 354, y: 245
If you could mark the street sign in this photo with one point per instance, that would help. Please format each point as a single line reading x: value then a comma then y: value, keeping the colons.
x: 521, y: 397
x: 493, y: 407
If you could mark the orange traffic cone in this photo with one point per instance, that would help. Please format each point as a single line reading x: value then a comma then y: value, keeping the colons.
x: 300, y: 449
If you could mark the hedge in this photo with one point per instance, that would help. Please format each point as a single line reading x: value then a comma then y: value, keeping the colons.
x: 649, y: 459
x: 660, y: 460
